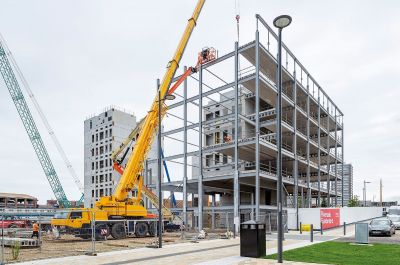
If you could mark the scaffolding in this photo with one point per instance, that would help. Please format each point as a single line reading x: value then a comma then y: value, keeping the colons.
x: 230, y: 123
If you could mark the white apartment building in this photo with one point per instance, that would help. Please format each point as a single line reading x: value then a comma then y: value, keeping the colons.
x: 104, y: 133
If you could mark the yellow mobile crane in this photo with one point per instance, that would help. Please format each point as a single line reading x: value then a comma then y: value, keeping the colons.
x: 120, y: 215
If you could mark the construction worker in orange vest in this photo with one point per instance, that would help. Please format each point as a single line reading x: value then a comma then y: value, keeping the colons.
x: 35, y: 230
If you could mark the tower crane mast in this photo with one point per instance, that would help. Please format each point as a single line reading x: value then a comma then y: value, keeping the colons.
x: 30, y: 126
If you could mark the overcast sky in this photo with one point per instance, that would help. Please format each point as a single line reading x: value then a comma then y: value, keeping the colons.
x: 82, y: 56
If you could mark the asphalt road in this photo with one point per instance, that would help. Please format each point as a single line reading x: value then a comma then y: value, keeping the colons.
x: 394, y: 239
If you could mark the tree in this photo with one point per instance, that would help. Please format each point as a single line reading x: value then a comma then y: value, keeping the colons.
x: 354, y: 201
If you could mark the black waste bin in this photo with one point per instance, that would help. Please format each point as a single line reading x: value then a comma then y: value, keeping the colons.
x: 252, y: 239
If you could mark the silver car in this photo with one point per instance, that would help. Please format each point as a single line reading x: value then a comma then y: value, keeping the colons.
x: 395, y: 220
x: 381, y: 226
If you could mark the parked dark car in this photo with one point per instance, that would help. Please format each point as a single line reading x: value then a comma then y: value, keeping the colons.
x: 382, y: 226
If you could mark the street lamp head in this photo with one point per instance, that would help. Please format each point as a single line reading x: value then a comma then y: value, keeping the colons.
x: 282, y: 21
x: 169, y: 97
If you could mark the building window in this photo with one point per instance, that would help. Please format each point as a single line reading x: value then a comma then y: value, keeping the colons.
x: 97, y: 137
x: 92, y: 165
x: 97, y: 151
x: 101, y: 179
x: 90, y: 124
x: 106, y: 162
x: 101, y: 192
x: 92, y: 138
x: 106, y: 133
x: 101, y: 163
x: 225, y: 159
x: 92, y: 151
x: 217, y: 156
x: 92, y: 193
x: 101, y: 136
x: 97, y: 165
x: 208, y: 160
x: 110, y: 132
x: 217, y: 114
x: 92, y: 179
x: 110, y: 147
x: 101, y: 150
x: 217, y: 137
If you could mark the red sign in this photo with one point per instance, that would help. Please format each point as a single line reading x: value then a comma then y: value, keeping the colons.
x: 330, y: 218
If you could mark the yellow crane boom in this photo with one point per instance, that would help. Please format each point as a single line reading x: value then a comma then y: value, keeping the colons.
x: 136, y: 161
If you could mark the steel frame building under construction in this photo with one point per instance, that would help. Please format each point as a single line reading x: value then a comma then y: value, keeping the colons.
x: 235, y: 138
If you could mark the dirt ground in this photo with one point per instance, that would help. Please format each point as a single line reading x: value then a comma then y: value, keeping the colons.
x: 69, y: 245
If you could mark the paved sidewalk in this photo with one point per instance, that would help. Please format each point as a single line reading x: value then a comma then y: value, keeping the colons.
x: 220, y: 251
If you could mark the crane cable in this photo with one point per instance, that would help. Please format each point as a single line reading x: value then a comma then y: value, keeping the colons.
x: 237, y: 12
x: 237, y: 17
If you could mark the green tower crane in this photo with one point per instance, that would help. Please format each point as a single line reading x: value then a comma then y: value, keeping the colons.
x: 30, y: 126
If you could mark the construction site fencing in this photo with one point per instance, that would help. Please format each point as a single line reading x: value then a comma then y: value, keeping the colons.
x: 20, y: 230
x: 79, y: 232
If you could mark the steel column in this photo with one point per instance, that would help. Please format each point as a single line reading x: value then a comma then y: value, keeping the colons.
x: 319, y: 150
x: 236, y: 188
x: 328, y: 161
x: 308, y: 145
x: 185, y: 150
x: 336, y: 160
x: 257, y: 154
x: 295, y: 161
x: 160, y: 202
x: 343, y: 163
x: 200, y: 177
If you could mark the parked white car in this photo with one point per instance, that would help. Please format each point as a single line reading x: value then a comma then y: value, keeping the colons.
x: 395, y: 220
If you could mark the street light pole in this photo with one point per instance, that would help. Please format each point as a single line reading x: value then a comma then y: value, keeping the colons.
x: 280, y: 22
x: 365, y: 192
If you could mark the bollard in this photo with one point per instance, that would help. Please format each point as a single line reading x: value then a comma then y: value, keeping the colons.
x: 301, y: 231
x: 322, y: 230
x: 344, y: 228
x: 312, y: 233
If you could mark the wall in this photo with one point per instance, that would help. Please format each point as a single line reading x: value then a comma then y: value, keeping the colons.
x: 347, y: 214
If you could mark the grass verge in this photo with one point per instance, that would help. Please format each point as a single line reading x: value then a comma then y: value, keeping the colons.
x: 344, y: 253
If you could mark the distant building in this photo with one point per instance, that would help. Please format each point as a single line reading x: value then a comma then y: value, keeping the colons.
x: 347, y: 182
x: 370, y: 203
x: 102, y: 135
x: 15, y: 200
x: 54, y: 204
